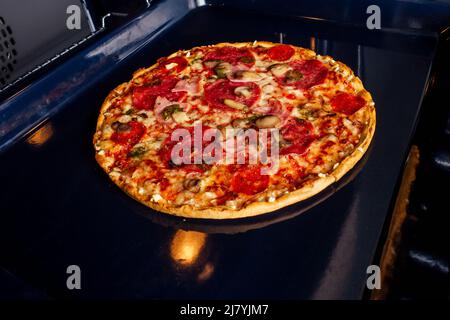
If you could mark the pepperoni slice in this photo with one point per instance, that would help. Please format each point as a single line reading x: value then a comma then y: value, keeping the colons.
x: 347, y: 103
x: 128, y: 133
x: 231, y: 55
x: 300, y: 133
x: 180, y: 61
x: 217, y: 92
x: 249, y: 180
x: 305, y: 74
x: 165, y: 153
x: 144, y: 97
x: 281, y: 52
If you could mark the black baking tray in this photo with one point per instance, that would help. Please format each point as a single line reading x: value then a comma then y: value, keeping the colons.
x: 58, y: 208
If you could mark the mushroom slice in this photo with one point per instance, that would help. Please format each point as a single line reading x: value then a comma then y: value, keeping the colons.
x: 279, y: 69
x: 222, y: 70
x: 246, y: 76
x: 192, y: 185
x: 234, y: 104
x: 268, y: 122
x: 243, y: 92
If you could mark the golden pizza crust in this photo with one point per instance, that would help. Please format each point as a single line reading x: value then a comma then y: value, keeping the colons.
x: 309, y: 188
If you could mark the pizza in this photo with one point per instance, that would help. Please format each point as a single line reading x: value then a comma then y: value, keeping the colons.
x: 234, y: 130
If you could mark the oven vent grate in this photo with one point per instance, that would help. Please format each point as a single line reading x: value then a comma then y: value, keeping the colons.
x: 8, y: 53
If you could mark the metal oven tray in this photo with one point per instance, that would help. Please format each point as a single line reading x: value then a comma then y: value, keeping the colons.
x: 58, y: 208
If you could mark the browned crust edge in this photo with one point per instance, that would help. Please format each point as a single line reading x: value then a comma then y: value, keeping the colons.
x: 256, y: 208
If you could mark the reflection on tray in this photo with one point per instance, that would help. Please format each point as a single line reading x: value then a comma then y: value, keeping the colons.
x: 186, y: 246
x: 250, y: 223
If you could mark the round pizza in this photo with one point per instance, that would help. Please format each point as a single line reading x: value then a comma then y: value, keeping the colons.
x: 234, y: 130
